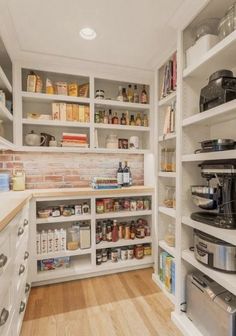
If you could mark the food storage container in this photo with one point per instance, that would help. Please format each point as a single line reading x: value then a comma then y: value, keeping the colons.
x: 168, y: 159
x: 169, y: 200
x: 112, y: 141
x: 170, y: 235
x: 73, y: 238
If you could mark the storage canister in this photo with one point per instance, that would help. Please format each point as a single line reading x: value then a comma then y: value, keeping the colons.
x: 4, y: 182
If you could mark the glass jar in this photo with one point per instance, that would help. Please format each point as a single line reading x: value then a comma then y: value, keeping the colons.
x: 169, y: 200
x: 170, y: 235
x: 168, y: 159
x: 112, y: 141
x: 73, y: 238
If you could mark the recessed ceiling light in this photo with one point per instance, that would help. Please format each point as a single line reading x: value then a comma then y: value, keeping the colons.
x: 88, y: 33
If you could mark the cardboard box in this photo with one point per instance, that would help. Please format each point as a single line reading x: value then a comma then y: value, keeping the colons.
x: 69, y: 112
x: 53, y: 263
x: 63, y: 111
x: 56, y: 111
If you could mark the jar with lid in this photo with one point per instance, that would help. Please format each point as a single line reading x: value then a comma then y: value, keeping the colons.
x: 130, y: 252
x: 140, y: 229
x: 112, y: 141
x: 56, y: 212
x: 73, y: 238
x: 99, y: 206
x: 98, y: 233
x: 98, y: 258
x: 147, y: 249
x: 169, y: 196
x: 85, y: 208
x: 139, y: 251
x: 104, y: 231
x: 170, y: 235
x: 132, y: 230
x: 127, y: 231
x: 116, y: 206
x: 114, y: 255
x: 124, y: 253
x: 168, y: 159
x: 104, y: 255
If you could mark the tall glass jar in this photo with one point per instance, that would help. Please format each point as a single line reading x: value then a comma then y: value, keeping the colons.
x: 169, y: 199
x: 168, y: 159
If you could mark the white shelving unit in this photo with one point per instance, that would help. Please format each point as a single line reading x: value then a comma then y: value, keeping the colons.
x: 83, y: 261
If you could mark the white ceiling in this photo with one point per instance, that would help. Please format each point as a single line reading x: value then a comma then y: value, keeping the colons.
x: 129, y: 32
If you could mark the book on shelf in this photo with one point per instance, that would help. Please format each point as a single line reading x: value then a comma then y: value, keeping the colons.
x: 74, y: 140
x: 167, y: 271
x: 169, y: 81
x: 169, y: 122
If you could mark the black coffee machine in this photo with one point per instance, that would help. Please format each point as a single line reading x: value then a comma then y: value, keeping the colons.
x: 219, y: 194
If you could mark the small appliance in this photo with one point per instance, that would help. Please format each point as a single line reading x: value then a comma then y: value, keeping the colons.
x: 220, y: 89
x: 210, y: 306
x: 214, y: 253
x: 218, y: 195
x: 216, y: 145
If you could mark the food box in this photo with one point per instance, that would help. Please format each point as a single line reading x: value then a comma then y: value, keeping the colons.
x: 53, y: 263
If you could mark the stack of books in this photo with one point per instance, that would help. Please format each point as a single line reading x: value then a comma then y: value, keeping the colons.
x: 104, y: 183
x: 167, y: 271
x: 170, y: 77
x: 74, y: 140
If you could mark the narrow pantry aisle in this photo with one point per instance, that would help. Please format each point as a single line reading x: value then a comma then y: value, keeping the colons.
x: 102, y: 306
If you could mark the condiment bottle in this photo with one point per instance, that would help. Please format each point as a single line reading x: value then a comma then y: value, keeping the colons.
x: 138, y: 120
x: 124, y: 94
x: 123, y: 119
x: 106, y: 119
x: 104, y: 231
x: 110, y: 117
x: 145, y: 120
x: 115, y: 119
x: 115, y: 235
x: 144, y: 97
x: 130, y: 94
x: 132, y: 121
x: 132, y: 230
x: 120, y: 95
x: 127, y: 231
x: 136, y: 95
x: 109, y: 233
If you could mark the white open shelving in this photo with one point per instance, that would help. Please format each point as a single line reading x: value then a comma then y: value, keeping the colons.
x: 4, y: 82
x: 170, y: 249
x: 121, y: 105
x: 166, y: 137
x: 109, y: 265
x: 168, y: 99
x: 167, y: 211
x: 5, y: 115
x: 167, y: 174
x: 122, y: 127
x: 222, y: 155
x: 62, y: 219
x: 66, y: 253
x: 123, y: 242
x: 50, y: 98
x: 160, y: 284
x: 123, y: 214
x: 55, y: 123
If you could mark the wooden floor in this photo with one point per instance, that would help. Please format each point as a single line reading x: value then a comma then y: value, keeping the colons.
x: 123, y: 304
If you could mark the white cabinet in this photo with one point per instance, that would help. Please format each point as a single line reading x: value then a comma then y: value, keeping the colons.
x: 14, y: 279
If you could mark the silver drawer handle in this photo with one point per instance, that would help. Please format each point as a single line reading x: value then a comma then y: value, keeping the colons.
x: 3, y: 260
x: 26, y: 256
x: 22, y: 307
x: 26, y: 222
x: 20, y: 231
x: 27, y: 287
x: 21, y: 269
x: 4, y: 316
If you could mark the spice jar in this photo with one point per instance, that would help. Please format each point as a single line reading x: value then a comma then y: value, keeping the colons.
x: 120, y: 231
x: 169, y: 196
x: 99, y: 206
x: 139, y: 204
x: 133, y: 205
x: 146, y: 204
x: 109, y: 233
x: 147, y: 249
x: 168, y: 159
x: 170, y: 235
x: 98, y: 259
x: 138, y: 251
x: 116, y: 206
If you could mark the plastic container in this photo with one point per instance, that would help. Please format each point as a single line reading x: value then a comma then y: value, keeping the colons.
x: 4, y: 182
x: 168, y: 159
x: 170, y: 235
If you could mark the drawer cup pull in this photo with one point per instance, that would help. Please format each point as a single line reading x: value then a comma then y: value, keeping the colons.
x: 22, y: 307
x: 21, y: 269
x: 26, y: 256
x: 3, y: 260
x: 27, y: 287
x: 20, y: 231
x: 4, y: 316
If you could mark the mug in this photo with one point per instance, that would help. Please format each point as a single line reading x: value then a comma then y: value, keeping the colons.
x: 53, y: 143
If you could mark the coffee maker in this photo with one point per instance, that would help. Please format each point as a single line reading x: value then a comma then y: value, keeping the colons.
x: 218, y: 197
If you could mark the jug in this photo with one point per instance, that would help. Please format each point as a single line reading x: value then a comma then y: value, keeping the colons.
x: 33, y: 139
x: 47, y: 138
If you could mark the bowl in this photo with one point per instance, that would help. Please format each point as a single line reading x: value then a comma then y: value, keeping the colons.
x: 44, y: 213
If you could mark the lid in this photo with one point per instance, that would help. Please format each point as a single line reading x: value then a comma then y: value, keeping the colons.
x: 220, y: 73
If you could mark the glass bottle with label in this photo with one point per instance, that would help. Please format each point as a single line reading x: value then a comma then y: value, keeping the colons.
x: 138, y: 121
x: 127, y: 117
x: 123, y: 119
x: 136, y: 95
x: 115, y: 236
x: 145, y: 120
x: 126, y: 175
x: 106, y: 118
x: 130, y: 94
x: 120, y: 95
x: 110, y: 117
x: 115, y: 119
x: 124, y: 94
x: 144, y: 97
x: 120, y: 174
x: 132, y: 121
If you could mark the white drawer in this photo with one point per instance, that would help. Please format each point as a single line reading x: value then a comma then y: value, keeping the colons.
x: 22, y: 225
x: 5, y: 312
x: 5, y: 249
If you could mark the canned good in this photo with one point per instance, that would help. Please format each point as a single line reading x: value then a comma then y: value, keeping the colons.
x: 130, y: 252
x: 114, y: 255
x: 127, y: 231
x: 147, y: 249
x: 139, y: 251
x: 133, y: 205
x: 99, y: 206
x: 98, y: 258
x: 139, y: 204
x: 108, y: 204
x: 118, y: 252
x: 104, y: 256
x: 124, y: 253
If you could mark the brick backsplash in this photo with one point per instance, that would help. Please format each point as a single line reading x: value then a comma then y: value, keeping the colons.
x: 68, y: 170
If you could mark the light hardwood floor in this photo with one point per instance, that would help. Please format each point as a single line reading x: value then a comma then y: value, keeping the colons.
x: 123, y: 304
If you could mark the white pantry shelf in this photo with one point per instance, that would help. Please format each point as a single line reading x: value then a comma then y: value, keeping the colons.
x: 213, y: 116
x: 62, y: 219
x: 121, y: 105
x: 167, y: 100
x: 226, y: 280
x: 50, y: 98
x: 185, y: 325
x: 166, y: 137
x: 4, y: 82
x: 223, y: 234
x: 221, y: 56
x: 5, y: 144
x: 124, y: 214
x: 120, y: 151
x: 167, y: 211
x: 122, y: 127
x: 66, y: 253
x: 160, y: 284
x: 55, y: 123
x: 171, y: 250
x: 53, y: 149
x: 167, y: 174
x: 109, y: 265
x: 5, y: 114
x: 221, y: 155
x: 123, y: 242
